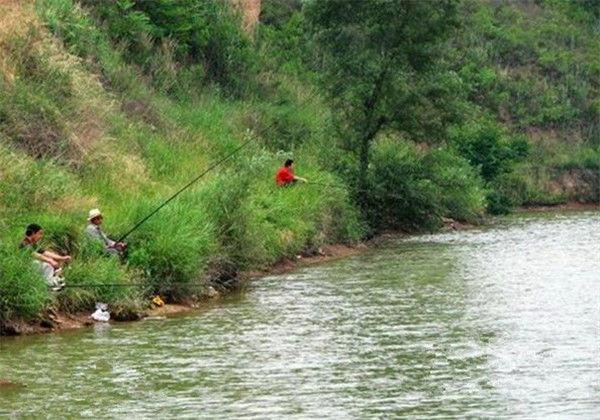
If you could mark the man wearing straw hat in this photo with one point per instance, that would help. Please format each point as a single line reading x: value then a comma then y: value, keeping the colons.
x: 95, y: 232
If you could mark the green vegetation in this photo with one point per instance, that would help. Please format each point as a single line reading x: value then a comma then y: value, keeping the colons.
x: 23, y: 292
x: 118, y: 104
x: 426, y: 187
x: 374, y: 57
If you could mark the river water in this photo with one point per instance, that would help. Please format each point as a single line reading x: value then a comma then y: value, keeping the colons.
x: 502, y: 321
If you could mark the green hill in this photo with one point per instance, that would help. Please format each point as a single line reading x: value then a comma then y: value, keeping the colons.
x: 117, y: 105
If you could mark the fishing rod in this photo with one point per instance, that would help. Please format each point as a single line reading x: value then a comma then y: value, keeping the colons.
x: 349, y: 189
x: 185, y: 187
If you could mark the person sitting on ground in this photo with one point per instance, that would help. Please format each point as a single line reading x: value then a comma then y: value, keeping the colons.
x: 94, y: 232
x: 285, y: 175
x: 50, y: 262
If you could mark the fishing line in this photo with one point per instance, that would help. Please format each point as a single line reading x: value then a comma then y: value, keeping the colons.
x: 92, y: 286
x: 185, y: 187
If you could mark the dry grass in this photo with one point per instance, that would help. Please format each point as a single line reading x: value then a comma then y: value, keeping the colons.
x: 16, y: 19
x: 89, y: 105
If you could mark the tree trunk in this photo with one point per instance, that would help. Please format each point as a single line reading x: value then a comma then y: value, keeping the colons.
x: 363, y: 184
x: 372, y: 124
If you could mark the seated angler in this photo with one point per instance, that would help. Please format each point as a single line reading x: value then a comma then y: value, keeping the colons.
x: 49, y: 262
x: 95, y: 232
x: 285, y: 175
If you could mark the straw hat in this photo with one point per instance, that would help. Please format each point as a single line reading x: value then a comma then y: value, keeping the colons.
x: 93, y: 214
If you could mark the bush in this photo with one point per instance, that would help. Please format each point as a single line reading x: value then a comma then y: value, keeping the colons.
x: 277, y: 13
x: 486, y: 146
x: 284, y: 127
x: 399, y: 197
x: 285, y: 45
x: 410, y: 189
x: 462, y: 193
x: 70, y: 23
x: 505, y: 193
x: 202, y: 36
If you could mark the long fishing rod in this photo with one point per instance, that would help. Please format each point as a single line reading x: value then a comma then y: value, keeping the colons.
x: 348, y: 188
x: 182, y: 283
x: 185, y: 187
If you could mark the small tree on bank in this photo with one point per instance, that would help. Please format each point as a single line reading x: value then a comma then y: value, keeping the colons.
x: 374, y: 56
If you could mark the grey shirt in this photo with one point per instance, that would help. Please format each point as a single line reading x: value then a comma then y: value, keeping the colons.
x: 94, y: 232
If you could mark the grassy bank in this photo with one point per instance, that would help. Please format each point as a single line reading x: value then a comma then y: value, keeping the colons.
x: 117, y: 105
x: 71, y: 141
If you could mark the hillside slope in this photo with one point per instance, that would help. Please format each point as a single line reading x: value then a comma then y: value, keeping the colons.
x: 79, y: 132
x: 116, y: 105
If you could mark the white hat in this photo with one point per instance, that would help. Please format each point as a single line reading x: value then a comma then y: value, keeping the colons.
x: 93, y: 214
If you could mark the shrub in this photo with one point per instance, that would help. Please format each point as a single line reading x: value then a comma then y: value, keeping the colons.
x: 277, y: 13
x: 505, y: 193
x: 399, y: 197
x: 200, y: 33
x: 462, y: 194
x: 486, y: 146
x: 284, y: 127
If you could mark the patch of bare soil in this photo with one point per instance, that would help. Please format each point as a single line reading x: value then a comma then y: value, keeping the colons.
x: 51, y: 321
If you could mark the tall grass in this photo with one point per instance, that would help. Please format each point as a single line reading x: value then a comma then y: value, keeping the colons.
x: 232, y: 220
x: 95, y: 276
x: 24, y: 293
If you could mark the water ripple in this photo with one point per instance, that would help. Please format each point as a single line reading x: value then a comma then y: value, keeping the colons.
x: 498, y: 322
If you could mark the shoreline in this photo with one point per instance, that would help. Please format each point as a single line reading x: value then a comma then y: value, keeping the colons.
x: 53, y: 321
x: 570, y: 206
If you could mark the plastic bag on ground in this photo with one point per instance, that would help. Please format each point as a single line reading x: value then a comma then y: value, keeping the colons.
x: 101, y: 313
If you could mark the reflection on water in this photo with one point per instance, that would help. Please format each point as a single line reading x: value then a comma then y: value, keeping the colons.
x: 495, y: 322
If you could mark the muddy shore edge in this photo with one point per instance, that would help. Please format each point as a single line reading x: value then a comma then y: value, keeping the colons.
x: 55, y: 321
x: 59, y: 321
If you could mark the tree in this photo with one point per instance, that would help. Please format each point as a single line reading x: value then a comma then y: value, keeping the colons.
x: 375, y: 57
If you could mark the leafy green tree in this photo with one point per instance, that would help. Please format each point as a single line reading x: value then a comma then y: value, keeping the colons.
x: 486, y: 145
x: 376, y: 58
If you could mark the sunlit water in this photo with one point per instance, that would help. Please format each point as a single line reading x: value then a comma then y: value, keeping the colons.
x: 502, y: 321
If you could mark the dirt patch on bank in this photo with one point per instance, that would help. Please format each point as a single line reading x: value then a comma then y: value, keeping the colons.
x: 50, y: 321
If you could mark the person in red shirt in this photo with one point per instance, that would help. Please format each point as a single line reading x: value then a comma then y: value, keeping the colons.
x: 285, y: 175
